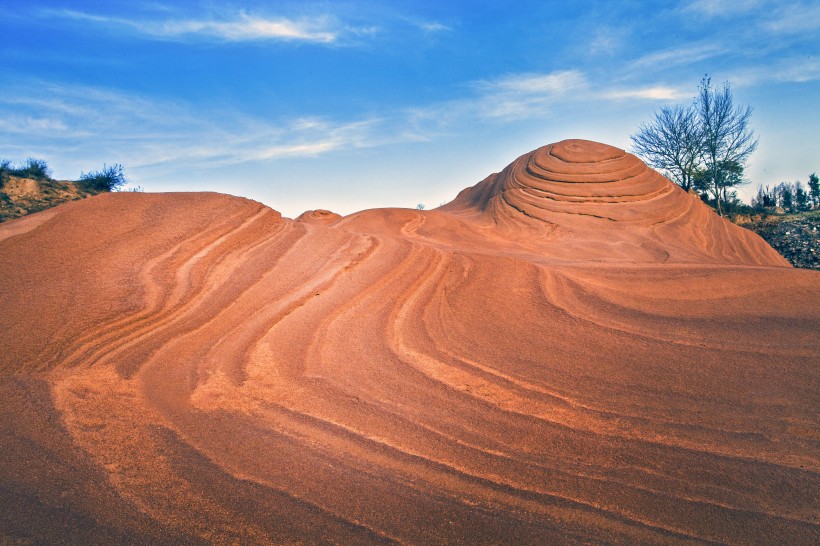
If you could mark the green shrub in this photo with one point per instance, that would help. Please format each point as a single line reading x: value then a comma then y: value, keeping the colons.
x: 33, y: 168
x: 108, y: 179
x: 5, y: 167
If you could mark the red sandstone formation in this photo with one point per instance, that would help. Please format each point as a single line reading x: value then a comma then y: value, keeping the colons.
x: 318, y: 216
x: 573, y: 350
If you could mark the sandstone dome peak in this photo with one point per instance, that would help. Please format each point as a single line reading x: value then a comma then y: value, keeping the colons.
x: 584, y: 179
x: 585, y: 151
x: 587, y: 200
x: 318, y: 216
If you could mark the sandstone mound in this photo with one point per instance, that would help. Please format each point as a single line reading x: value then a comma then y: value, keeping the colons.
x: 578, y: 182
x: 318, y: 216
x: 594, y: 201
x: 524, y: 365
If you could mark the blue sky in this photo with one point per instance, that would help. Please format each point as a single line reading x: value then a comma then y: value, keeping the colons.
x: 360, y: 104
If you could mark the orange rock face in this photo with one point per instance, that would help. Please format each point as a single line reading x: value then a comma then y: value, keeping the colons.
x: 318, y: 216
x: 573, y: 350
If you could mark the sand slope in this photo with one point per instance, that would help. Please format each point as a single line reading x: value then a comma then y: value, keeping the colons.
x: 571, y: 351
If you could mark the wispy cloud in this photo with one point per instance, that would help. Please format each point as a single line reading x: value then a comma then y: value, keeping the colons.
x: 432, y: 26
x: 524, y: 95
x: 789, y: 70
x: 241, y: 27
x: 676, y: 56
x: 647, y: 93
x: 521, y: 95
x: 313, y: 136
x: 528, y: 84
x: 722, y: 8
x: 505, y: 99
x: 607, y: 40
x: 515, y: 97
x: 30, y: 125
x: 794, y: 18
x: 246, y: 27
x: 775, y: 16
x: 92, y: 123
x: 89, y: 125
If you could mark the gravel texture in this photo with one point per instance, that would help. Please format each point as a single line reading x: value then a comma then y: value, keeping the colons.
x: 795, y: 236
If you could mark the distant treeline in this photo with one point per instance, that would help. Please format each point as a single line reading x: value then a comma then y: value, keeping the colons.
x: 793, y: 197
x: 109, y: 178
x: 704, y: 147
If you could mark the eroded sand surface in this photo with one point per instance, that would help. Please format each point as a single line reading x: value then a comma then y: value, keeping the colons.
x: 573, y: 350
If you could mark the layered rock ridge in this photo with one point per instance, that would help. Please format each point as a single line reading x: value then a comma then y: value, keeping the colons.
x: 604, y: 204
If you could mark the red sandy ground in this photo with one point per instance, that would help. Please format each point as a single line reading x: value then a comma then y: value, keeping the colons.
x: 573, y: 350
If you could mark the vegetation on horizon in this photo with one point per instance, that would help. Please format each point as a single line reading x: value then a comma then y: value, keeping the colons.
x: 789, y: 197
x: 37, y: 169
x: 109, y: 178
x: 703, y: 146
x: 28, y: 187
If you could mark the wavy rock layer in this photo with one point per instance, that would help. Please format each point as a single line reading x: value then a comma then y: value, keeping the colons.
x: 194, y: 368
x: 596, y: 202
x: 318, y: 216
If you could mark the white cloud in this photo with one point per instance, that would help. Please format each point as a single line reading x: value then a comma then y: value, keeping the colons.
x: 775, y: 16
x: 527, y: 84
x: 604, y: 42
x: 434, y: 27
x: 242, y: 27
x: 676, y: 56
x: 722, y: 8
x: 119, y: 127
x: 23, y: 125
x: 297, y: 150
x: 648, y: 93
x: 87, y: 125
x: 311, y: 137
x: 790, y: 70
x: 794, y: 18
x: 521, y: 95
x: 514, y: 97
x: 245, y: 28
x: 505, y: 99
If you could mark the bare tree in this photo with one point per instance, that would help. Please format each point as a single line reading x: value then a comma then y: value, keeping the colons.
x: 672, y: 142
x: 727, y: 139
x: 703, y: 146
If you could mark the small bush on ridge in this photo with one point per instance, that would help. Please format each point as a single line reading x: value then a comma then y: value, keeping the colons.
x: 33, y: 168
x: 108, y: 179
